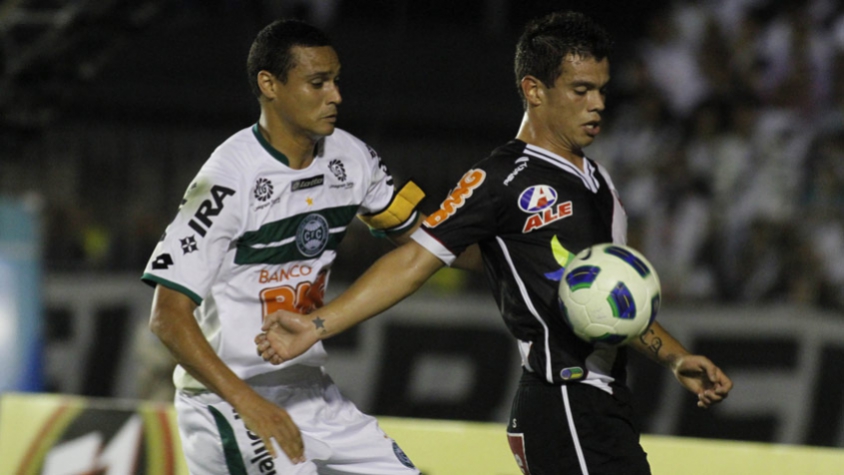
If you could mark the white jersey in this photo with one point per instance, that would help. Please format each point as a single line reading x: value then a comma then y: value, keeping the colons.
x: 253, y: 236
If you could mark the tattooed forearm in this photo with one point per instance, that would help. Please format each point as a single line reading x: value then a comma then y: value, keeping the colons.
x: 652, y: 342
x: 319, y: 324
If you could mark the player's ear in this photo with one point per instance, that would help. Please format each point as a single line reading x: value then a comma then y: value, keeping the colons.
x: 532, y: 90
x: 267, y: 84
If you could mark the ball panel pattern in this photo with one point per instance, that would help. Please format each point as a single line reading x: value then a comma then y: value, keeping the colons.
x: 609, y: 294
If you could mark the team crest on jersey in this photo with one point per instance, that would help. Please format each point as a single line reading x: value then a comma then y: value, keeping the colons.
x: 537, y: 198
x: 263, y: 189
x: 312, y: 235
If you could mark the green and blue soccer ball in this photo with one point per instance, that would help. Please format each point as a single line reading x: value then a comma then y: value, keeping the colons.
x: 609, y: 294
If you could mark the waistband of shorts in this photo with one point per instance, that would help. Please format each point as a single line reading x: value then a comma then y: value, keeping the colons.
x: 289, y: 375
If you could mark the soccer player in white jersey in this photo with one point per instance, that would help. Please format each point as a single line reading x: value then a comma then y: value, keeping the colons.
x: 257, y: 231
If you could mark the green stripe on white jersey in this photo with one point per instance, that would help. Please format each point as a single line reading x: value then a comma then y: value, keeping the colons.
x: 280, y: 242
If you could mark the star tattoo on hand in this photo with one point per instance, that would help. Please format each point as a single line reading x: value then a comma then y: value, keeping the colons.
x: 319, y: 323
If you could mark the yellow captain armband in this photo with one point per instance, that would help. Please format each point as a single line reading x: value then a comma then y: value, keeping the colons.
x: 400, y: 209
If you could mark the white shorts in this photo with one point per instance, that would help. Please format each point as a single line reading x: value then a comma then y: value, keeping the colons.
x: 339, y: 439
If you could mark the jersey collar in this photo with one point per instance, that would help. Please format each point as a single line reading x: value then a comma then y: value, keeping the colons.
x: 587, y: 176
x: 269, y: 148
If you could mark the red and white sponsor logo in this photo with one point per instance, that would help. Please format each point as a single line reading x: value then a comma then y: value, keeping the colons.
x: 304, y: 298
x: 294, y: 272
x: 517, y: 446
x: 471, y: 180
x: 548, y: 216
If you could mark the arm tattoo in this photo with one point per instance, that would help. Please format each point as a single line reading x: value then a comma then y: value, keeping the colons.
x: 654, y: 345
x: 319, y: 324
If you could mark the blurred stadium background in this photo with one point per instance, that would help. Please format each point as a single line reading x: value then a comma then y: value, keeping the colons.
x: 724, y: 133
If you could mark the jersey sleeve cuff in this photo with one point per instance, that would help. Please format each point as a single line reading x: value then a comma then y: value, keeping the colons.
x: 153, y: 280
x: 382, y: 233
x: 433, y: 246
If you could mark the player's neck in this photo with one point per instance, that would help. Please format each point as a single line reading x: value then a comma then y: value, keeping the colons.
x: 531, y: 134
x: 299, y: 149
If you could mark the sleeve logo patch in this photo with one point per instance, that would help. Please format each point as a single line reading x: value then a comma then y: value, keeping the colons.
x: 523, y: 163
x: 471, y: 180
x: 188, y: 244
x: 537, y: 198
x: 377, y: 158
x: 208, y: 209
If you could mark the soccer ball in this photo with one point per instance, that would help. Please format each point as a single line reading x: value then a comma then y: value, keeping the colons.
x: 609, y: 294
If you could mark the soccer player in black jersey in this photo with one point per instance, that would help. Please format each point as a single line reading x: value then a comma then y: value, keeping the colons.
x: 528, y: 206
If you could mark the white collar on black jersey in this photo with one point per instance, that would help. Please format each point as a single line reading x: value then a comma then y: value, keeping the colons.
x: 587, y: 176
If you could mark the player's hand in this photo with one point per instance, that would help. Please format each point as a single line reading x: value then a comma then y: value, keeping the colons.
x: 271, y: 422
x: 286, y: 335
x: 700, y: 376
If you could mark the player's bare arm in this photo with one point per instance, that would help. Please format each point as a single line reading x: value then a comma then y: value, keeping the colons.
x: 695, y: 372
x: 173, y: 322
x: 393, y: 277
x: 468, y: 260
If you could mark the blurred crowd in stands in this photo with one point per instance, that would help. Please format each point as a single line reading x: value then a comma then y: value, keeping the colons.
x: 728, y: 149
x: 724, y: 134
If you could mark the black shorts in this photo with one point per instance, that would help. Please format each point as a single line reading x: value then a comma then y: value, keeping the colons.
x: 574, y: 429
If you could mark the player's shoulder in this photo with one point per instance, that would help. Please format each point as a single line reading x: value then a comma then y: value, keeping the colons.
x: 597, y: 165
x: 349, y: 149
x: 501, y: 162
x: 236, y: 155
x: 345, y: 143
x: 602, y: 170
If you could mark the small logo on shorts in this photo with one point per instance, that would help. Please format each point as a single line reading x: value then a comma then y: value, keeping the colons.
x: 403, y: 458
x: 575, y: 372
x: 312, y: 235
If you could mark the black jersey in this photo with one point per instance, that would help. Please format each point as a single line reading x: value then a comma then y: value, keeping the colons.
x: 530, y: 210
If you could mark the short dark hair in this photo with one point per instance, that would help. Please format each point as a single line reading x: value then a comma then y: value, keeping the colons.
x: 547, y: 40
x: 271, y: 50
